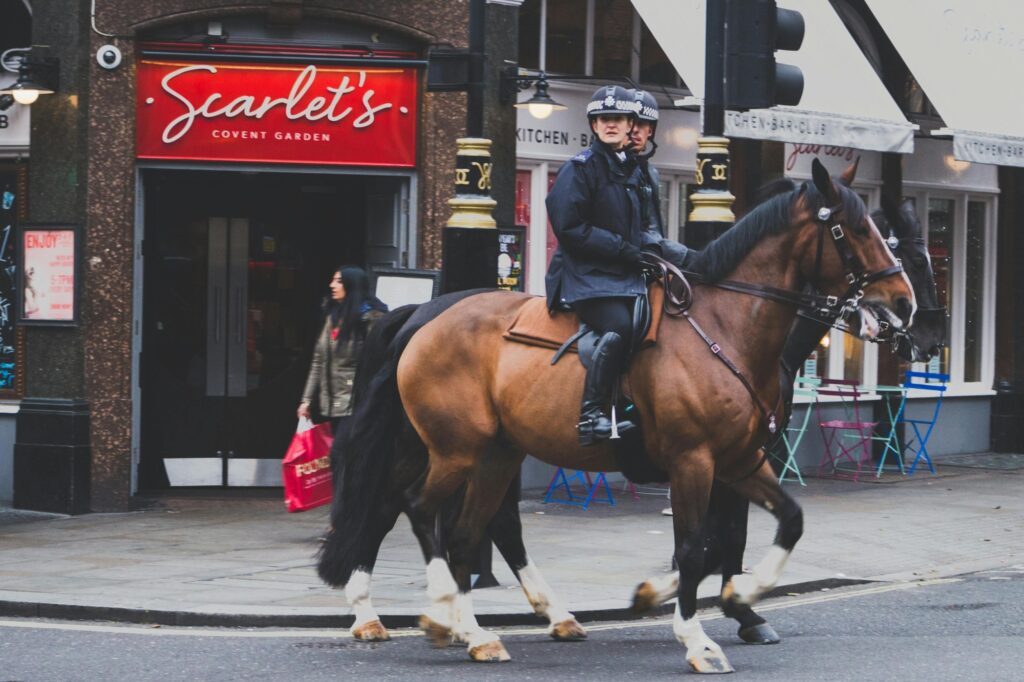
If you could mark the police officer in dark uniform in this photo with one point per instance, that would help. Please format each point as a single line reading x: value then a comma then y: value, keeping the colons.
x: 644, y: 146
x: 594, y: 208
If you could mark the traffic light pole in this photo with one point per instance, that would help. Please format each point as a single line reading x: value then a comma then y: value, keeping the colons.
x: 712, y: 202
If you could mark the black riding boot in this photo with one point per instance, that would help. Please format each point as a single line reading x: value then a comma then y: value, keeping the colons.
x: 597, y: 388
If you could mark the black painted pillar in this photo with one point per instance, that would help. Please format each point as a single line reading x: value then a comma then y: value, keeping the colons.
x: 52, y: 456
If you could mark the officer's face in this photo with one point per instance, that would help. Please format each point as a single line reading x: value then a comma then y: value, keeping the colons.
x: 612, y: 130
x: 641, y: 133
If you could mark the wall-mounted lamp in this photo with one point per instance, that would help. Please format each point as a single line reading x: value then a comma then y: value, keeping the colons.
x: 37, y: 75
x: 515, y: 80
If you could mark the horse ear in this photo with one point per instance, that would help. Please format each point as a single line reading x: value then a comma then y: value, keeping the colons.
x: 909, y: 216
x: 850, y: 173
x: 822, y: 180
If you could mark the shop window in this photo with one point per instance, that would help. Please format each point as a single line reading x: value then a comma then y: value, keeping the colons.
x: 522, y: 210
x: 552, y: 239
x: 529, y: 34
x: 974, y: 290
x: 567, y: 36
x: 613, y: 38
x: 941, y: 214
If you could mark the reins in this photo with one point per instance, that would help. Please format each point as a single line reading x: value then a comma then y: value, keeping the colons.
x: 827, y: 309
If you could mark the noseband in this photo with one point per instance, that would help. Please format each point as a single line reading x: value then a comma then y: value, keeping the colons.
x: 857, y: 275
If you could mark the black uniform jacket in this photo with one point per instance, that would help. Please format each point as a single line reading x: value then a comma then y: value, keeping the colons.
x: 594, y: 209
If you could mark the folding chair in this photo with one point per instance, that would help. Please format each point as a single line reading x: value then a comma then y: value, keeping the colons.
x: 847, y: 440
x: 560, y: 480
x: 918, y: 443
x: 806, y: 388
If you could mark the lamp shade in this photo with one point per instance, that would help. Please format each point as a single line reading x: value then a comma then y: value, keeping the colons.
x: 541, y: 105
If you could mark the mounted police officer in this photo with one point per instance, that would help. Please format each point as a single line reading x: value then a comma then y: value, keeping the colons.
x: 594, y: 208
x: 644, y: 146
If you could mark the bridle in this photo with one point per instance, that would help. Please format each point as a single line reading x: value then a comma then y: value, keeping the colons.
x: 679, y: 296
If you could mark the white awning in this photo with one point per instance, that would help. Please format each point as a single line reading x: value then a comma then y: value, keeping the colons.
x: 844, y: 103
x: 968, y: 56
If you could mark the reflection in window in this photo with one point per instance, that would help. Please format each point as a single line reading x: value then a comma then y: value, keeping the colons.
x: 664, y: 192
x: 853, y: 358
x: 613, y: 37
x: 816, y: 364
x: 684, y: 212
x: 974, y: 287
x: 567, y: 36
x: 941, y: 215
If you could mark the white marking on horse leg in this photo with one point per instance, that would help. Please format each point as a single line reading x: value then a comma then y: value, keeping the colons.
x: 749, y: 588
x: 441, y: 589
x: 357, y: 592
x: 699, y: 647
x: 465, y: 628
x: 542, y: 598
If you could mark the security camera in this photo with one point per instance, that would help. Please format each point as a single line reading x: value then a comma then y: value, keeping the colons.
x: 108, y: 56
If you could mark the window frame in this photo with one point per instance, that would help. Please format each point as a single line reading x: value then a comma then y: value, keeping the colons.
x: 923, y: 193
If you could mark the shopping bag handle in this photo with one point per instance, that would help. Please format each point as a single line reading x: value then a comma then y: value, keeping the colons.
x: 305, y: 424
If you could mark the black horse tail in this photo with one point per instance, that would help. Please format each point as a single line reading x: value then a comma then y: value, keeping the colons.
x: 359, y: 448
x: 370, y: 454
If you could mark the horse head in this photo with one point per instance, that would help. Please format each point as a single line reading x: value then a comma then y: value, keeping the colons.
x: 858, y: 268
x: 904, y: 234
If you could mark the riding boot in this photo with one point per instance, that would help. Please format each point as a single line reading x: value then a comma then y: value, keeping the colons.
x: 594, y: 424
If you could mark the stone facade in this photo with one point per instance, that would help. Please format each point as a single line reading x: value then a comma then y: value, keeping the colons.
x: 83, y: 172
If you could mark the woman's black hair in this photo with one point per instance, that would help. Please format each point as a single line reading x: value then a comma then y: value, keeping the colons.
x: 347, y: 314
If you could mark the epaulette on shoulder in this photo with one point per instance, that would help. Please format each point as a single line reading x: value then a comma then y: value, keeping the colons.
x: 583, y: 156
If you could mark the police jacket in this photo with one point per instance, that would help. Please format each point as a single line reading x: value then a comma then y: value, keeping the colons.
x: 594, y: 209
x: 650, y: 206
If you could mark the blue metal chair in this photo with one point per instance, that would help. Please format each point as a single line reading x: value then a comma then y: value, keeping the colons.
x: 918, y: 443
x: 590, y: 487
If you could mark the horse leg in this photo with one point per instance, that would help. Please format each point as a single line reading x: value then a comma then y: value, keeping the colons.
x: 732, y: 512
x: 484, y: 493
x: 691, y: 485
x: 506, y: 530
x: 764, y: 490
x: 438, y: 618
x: 367, y: 626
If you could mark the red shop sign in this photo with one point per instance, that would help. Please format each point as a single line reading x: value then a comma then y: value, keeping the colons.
x: 276, y: 113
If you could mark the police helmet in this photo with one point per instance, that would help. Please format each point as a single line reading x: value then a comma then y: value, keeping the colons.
x: 611, y: 100
x: 647, y: 106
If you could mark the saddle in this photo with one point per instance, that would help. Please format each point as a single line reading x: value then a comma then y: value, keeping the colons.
x: 562, y: 331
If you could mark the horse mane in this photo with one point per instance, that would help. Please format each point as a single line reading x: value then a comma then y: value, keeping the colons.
x: 770, y: 217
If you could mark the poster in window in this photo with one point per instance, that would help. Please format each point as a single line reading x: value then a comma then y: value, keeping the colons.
x: 511, y: 247
x: 48, y: 275
x: 8, y: 338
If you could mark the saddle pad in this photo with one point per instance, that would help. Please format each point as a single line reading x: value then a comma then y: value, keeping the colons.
x: 535, y: 326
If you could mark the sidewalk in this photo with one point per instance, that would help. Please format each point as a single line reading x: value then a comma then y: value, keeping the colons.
x: 247, y: 562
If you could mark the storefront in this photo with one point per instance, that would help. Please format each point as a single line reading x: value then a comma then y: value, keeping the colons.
x: 260, y: 177
x: 218, y: 174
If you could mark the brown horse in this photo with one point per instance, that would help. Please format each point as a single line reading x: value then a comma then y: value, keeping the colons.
x: 480, y: 403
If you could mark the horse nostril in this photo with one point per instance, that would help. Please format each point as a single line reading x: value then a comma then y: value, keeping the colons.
x: 904, y: 309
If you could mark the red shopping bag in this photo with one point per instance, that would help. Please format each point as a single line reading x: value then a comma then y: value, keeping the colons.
x: 306, y: 467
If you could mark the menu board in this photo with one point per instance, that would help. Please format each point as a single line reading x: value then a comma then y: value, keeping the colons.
x: 49, y: 260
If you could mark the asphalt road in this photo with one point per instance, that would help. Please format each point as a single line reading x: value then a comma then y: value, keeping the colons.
x: 970, y: 628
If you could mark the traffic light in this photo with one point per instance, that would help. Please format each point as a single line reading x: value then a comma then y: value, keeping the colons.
x: 755, y: 29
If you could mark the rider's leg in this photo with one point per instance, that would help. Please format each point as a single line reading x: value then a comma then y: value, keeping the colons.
x: 612, y: 317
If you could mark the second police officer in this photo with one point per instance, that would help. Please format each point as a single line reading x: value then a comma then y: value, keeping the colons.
x: 595, y: 211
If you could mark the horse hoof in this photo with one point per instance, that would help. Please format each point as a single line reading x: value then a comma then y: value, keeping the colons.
x: 371, y: 631
x: 759, y: 634
x: 438, y: 635
x: 567, y: 631
x: 710, y: 663
x: 491, y: 652
x: 645, y: 598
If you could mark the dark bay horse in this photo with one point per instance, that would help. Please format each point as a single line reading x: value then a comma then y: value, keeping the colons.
x: 727, y: 517
x: 481, y: 403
